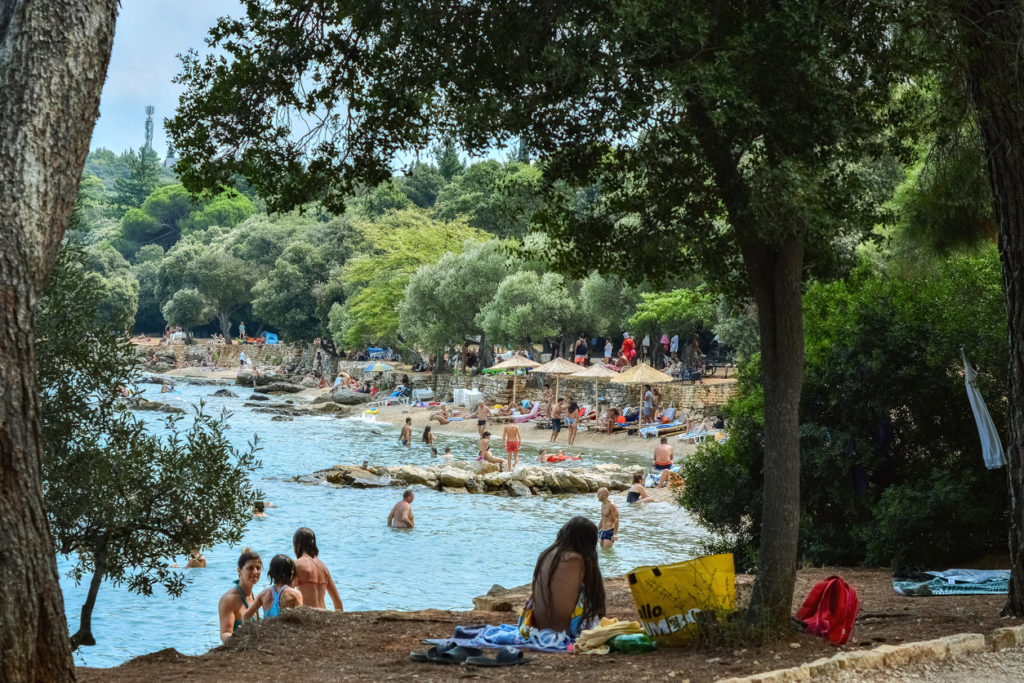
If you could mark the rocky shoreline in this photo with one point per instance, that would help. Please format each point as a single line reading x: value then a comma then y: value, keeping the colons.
x: 459, y: 476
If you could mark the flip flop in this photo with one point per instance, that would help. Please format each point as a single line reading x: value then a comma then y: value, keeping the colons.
x: 452, y: 655
x: 507, y: 656
x: 432, y: 654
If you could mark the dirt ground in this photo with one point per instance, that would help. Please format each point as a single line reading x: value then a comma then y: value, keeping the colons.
x: 324, y: 646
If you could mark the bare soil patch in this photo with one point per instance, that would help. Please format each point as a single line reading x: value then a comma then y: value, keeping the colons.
x: 324, y: 646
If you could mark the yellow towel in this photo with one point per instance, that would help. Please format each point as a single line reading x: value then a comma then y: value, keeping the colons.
x: 592, y: 641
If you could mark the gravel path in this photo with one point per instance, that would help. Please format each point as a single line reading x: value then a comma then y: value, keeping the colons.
x: 1006, y: 666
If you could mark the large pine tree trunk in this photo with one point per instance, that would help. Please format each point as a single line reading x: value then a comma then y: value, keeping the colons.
x: 53, y: 60
x: 992, y: 33
x: 775, y: 276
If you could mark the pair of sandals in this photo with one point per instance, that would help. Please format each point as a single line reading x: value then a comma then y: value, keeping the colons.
x: 450, y: 653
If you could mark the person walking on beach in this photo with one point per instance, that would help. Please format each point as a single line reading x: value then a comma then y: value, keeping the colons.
x: 400, y: 516
x: 663, y: 458
x: 512, y: 440
x: 312, y: 579
x: 232, y: 605
x: 482, y: 413
x: 428, y: 438
x: 241, y: 359
x: 405, y: 436
x: 648, y: 412
x: 556, y: 419
x: 608, y: 529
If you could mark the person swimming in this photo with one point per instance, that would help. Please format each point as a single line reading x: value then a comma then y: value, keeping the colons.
x: 235, y: 602
x: 280, y: 595
x: 637, y: 493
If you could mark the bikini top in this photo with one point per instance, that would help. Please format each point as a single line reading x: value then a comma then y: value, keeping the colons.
x: 245, y: 603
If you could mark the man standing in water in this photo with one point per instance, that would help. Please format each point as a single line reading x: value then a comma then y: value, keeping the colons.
x: 663, y: 458
x: 512, y: 439
x: 608, y: 529
x: 400, y: 516
x: 405, y: 438
x: 482, y: 413
x: 556, y: 419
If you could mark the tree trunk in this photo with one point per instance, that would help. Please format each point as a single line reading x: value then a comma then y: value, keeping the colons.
x: 775, y: 281
x: 84, y: 634
x: 53, y: 60
x: 224, y: 318
x: 991, y: 32
x: 485, y: 358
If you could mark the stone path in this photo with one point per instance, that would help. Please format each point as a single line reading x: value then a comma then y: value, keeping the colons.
x: 1005, y: 666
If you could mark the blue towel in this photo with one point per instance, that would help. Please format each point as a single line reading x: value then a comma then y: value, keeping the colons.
x: 502, y: 635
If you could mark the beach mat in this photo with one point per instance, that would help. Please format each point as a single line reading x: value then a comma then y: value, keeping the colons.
x: 952, y: 582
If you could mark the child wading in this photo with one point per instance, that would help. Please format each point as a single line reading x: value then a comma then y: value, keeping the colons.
x: 281, y: 594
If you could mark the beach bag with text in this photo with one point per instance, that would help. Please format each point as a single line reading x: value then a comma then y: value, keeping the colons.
x: 674, y: 599
x: 830, y: 610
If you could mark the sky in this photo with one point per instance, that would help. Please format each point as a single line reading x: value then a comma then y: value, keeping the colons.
x: 148, y: 36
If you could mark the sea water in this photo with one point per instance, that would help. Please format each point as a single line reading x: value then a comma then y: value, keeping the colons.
x: 462, y: 544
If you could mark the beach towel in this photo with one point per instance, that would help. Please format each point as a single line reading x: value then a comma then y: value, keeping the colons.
x: 952, y: 582
x: 655, y: 430
x: 502, y: 635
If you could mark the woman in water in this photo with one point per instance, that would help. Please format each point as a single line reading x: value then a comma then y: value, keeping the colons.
x: 311, y: 576
x: 637, y: 493
x: 428, y: 438
x: 572, y: 417
x: 280, y: 595
x: 233, y: 604
x: 567, y: 590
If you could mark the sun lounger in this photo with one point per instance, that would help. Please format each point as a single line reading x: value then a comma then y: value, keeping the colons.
x: 696, y: 435
x: 534, y: 412
x: 661, y: 429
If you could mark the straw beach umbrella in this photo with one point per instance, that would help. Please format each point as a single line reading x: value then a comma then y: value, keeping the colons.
x: 558, y: 367
x: 598, y: 373
x: 641, y: 374
x: 513, y: 364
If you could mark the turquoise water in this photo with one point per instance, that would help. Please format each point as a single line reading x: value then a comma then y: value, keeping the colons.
x: 462, y: 544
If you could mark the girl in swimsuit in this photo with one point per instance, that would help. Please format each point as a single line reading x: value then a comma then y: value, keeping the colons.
x: 236, y: 601
x: 428, y: 438
x: 280, y: 595
x: 312, y: 579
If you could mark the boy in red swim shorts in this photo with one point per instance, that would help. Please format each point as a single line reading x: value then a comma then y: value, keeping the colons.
x: 512, y: 439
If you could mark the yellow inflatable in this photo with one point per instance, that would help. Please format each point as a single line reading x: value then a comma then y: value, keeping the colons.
x: 671, y: 598
x: 370, y: 411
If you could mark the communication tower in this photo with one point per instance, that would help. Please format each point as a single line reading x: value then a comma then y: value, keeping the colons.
x: 149, y: 127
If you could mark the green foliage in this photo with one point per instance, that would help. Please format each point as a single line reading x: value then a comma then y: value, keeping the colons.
x: 120, y: 500
x: 607, y: 302
x: 497, y: 198
x: 187, y: 309
x: 168, y: 206
x: 387, y: 196
x: 422, y: 185
x: 227, y: 209
x: 526, y: 307
x: 441, y: 301
x: 148, y: 317
x: 375, y: 282
x: 449, y: 164
x: 143, y: 176
x: 683, y: 311
x: 736, y: 327
x: 286, y: 299
x: 892, y: 471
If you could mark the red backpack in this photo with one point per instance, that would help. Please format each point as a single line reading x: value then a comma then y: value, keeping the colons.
x: 830, y: 610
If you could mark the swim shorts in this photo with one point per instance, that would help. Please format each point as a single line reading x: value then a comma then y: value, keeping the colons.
x: 605, y: 534
x: 570, y: 421
x: 481, y: 423
x: 556, y: 424
x: 512, y: 447
x: 405, y: 442
x: 660, y: 466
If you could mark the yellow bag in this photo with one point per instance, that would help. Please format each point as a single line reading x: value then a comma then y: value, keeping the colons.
x: 670, y: 596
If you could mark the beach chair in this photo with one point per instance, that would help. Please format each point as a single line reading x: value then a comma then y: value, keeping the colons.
x: 696, y: 435
x: 375, y: 354
x: 422, y: 395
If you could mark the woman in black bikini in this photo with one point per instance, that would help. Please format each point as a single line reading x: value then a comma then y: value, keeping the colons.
x: 234, y: 603
x: 637, y: 493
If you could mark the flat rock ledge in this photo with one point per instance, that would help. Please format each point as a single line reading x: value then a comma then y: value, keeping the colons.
x: 460, y: 476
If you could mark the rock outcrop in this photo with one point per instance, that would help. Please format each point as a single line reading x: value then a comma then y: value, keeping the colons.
x: 345, y: 397
x: 459, y: 476
x: 143, y: 404
x: 279, y: 388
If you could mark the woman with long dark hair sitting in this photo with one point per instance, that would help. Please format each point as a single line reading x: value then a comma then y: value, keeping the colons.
x: 568, y: 590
